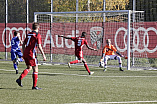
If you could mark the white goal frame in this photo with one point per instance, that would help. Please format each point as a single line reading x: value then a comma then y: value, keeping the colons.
x: 129, y: 12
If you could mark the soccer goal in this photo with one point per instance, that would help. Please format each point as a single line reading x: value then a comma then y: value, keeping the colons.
x: 123, y: 27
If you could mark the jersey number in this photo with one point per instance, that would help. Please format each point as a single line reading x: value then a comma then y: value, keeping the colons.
x: 79, y: 42
x: 13, y: 42
x: 29, y: 38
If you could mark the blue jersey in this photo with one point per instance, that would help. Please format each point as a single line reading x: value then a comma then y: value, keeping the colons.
x: 15, y: 44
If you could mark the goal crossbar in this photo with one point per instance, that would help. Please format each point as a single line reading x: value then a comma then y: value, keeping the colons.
x: 111, y: 14
x: 86, y: 12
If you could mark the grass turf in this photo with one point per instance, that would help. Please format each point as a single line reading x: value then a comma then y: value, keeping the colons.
x: 62, y: 85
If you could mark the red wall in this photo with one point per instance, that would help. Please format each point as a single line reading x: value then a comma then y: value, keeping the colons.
x: 117, y: 35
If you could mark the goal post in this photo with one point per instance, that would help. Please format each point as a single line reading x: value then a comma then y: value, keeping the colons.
x: 121, y: 26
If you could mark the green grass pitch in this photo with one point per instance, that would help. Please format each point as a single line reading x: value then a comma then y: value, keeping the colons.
x: 63, y: 85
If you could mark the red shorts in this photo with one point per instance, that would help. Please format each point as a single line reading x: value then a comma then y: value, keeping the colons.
x: 30, y: 61
x: 79, y: 54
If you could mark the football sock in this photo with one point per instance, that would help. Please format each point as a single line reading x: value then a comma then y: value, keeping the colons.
x: 120, y: 64
x: 86, y: 66
x: 105, y: 66
x: 24, y: 73
x: 35, y: 78
x: 74, y: 62
x: 15, y: 66
x: 20, y: 59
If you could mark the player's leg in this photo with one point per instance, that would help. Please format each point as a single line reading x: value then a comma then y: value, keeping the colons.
x: 24, y: 73
x: 20, y: 55
x: 78, y: 55
x: 13, y: 58
x: 15, y: 64
x: 106, y: 58
x: 35, y: 76
x: 86, y: 66
x: 28, y: 62
x: 120, y: 62
x: 75, y: 61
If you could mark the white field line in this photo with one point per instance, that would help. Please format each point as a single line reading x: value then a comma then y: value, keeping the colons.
x: 88, y: 75
x: 155, y: 101
x: 118, y: 102
x: 6, y: 70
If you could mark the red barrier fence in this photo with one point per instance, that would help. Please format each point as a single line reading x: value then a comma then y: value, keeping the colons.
x: 149, y: 43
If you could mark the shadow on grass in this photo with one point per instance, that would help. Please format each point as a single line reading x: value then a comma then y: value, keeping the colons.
x: 50, y: 74
x: 8, y: 88
x: 20, y: 88
x: 9, y: 73
x: 61, y: 74
x: 75, y: 70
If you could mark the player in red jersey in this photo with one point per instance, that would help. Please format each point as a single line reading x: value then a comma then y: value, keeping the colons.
x: 31, y: 42
x: 79, y: 43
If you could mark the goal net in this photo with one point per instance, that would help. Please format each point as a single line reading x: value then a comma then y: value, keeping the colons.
x: 122, y: 27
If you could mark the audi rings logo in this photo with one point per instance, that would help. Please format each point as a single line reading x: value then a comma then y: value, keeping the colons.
x: 136, y: 39
x: 10, y: 34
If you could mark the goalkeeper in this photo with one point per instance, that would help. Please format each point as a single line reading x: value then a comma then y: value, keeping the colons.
x: 108, y: 54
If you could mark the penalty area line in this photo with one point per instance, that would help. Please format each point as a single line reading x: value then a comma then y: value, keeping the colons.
x: 126, y: 102
x: 86, y: 75
x: 83, y: 75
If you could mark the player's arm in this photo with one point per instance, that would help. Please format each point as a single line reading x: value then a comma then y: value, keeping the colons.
x: 102, y: 58
x: 103, y: 53
x: 64, y: 37
x: 115, y: 50
x: 18, y: 35
x: 91, y: 48
x: 42, y: 52
x: 119, y: 54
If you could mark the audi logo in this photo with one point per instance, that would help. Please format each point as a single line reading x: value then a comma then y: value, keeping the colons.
x: 136, y: 39
x: 11, y: 34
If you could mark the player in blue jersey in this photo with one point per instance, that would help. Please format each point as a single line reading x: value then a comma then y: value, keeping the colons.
x: 15, y: 50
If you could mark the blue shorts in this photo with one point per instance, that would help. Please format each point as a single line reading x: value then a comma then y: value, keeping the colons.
x: 15, y: 54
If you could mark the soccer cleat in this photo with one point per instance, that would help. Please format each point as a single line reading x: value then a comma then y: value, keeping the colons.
x: 105, y: 69
x: 69, y: 65
x: 36, y: 88
x: 91, y: 73
x: 120, y: 69
x: 17, y: 71
x: 18, y: 81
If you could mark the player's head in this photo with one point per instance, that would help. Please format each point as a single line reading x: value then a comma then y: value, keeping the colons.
x: 108, y: 42
x: 83, y: 34
x: 35, y: 25
x: 16, y: 33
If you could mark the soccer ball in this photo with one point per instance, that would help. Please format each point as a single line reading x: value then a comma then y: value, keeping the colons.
x: 101, y: 63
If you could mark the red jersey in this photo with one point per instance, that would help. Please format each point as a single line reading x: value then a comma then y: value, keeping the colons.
x: 31, y: 41
x: 79, y: 43
x: 109, y: 50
